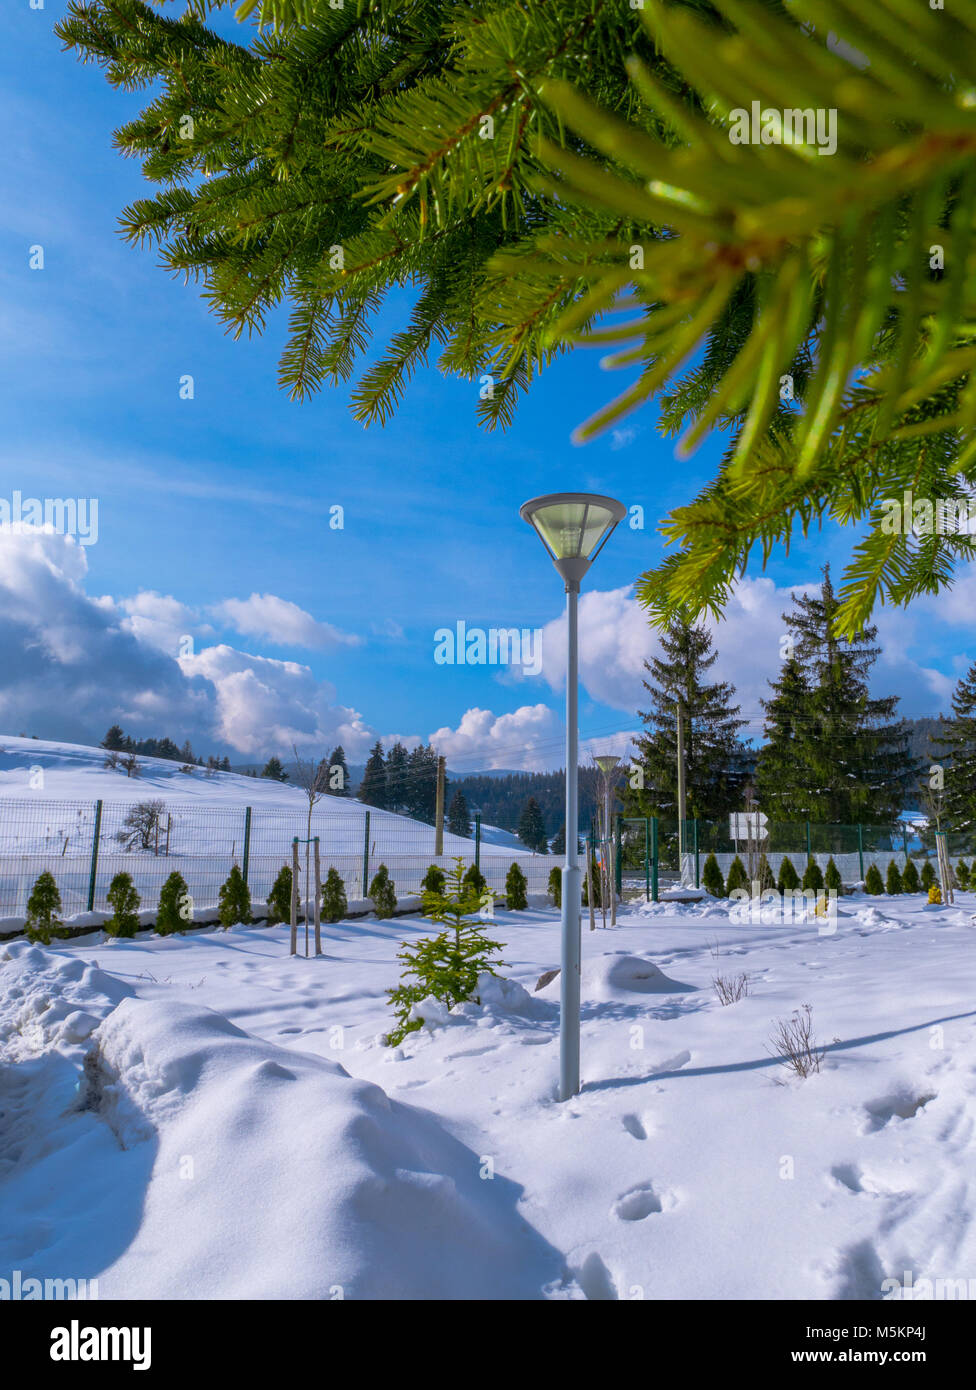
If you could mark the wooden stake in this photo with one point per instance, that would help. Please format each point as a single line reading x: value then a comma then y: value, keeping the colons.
x: 318, y: 901
x: 294, y: 898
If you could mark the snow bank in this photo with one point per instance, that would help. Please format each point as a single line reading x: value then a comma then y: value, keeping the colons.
x: 615, y: 974
x: 497, y: 999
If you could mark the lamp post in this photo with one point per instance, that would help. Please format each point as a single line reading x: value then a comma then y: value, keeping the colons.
x: 573, y: 527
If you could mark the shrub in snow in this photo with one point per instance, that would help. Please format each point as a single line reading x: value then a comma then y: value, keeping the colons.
x: 556, y: 886
x: 124, y: 901
x: 892, y: 878
x: 172, y: 897
x: 234, y: 900
x: 334, y: 904
x: 794, y: 1044
x: 962, y: 873
x: 597, y: 880
x: 279, y: 899
x: 812, y: 875
x: 475, y: 880
x: 443, y: 967
x: 433, y: 880
x: 872, y: 881
x: 935, y: 894
x: 909, y: 878
x: 764, y: 874
x: 927, y: 879
x: 712, y: 879
x: 832, y: 878
x: 731, y: 988
x: 43, y: 905
x: 382, y: 890
x: 788, y: 876
x: 738, y: 878
x: 515, y: 888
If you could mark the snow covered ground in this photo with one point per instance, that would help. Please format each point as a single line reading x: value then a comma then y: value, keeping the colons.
x: 203, y: 1116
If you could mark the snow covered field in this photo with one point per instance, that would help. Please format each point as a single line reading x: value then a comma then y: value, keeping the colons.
x: 201, y: 1117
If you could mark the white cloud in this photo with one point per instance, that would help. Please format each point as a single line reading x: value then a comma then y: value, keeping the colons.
x: 159, y: 620
x: 278, y: 620
x: 530, y: 738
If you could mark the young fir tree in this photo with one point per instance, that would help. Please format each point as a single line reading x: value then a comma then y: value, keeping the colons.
x: 764, y: 875
x: 962, y: 874
x: 279, y: 899
x: 515, y: 889
x: 873, y: 882
x: 712, y: 880
x: 475, y: 880
x: 458, y: 816
x: 788, y: 879
x: 124, y: 902
x: 736, y: 877
x: 893, y: 882
x: 334, y: 902
x: 372, y: 789
x: 433, y: 880
x: 836, y: 755
x: 909, y: 878
x: 714, y: 769
x: 173, y: 896
x: 812, y: 876
x: 531, y: 827
x: 382, y: 891
x: 338, y: 773
x: 832, y: 879
x: 555, y: 886
x: 397, y: 779
x: 115, y: 739
x: 234, y: 900
x: 927, y: 877
x: 43, y: 907
x: 958, y: 737
x: 274, y: 771
x: 445, y: 967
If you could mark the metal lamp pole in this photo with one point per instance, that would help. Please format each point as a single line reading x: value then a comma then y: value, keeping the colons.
x: 573, y: 526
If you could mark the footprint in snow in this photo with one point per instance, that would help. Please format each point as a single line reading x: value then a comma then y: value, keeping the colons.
x: 640, y: 1202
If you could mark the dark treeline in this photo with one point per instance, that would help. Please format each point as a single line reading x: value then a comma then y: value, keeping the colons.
x: 117, y: 741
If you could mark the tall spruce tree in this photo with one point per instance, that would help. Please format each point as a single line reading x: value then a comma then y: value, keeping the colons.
x: 959, y: 740
x: 338, y: 784
x: 848, y: 761
x: 396, y: 778
x: 274, y: 771
x: 420, y: 799
x: 458, y: 816
x: 531, y: 827
x: 714, y: 771
x: 372, y: 789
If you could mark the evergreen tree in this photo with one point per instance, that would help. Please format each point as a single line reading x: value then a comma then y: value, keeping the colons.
x: 274, y: 771
x: 712, y: 880
x: 115, y: 739
x: 893, y: 879
x: 234, y: 900
x: 420, y: 799
x: 397, y: 779
x: 873, y: 882
x: 788, y: 880
x: 834, y: 755
x: 958, y: 738
x: 172, y: 896
x: 433, y: 880
x: 556, y: 886
x: 909, y: 878
x: 382, y: 891
x: 812, y: 876
x: 927, y: 877
x: 124, y: 901
x: 458, y: 817
x: 832, y: 879
x: 736, y: 877
x: 372, y: 789
x: 764, y: 875
x: 475, y: 880
x: 279, y: 899
x: 334, y: 902
x: 531, y: 827
x: 714, y: 772
x: 515, y: 889
x: 338, y: 781
x: 962, y: 874
x: 43, y: 907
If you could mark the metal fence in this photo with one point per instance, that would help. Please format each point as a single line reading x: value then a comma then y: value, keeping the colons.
x: 84, y: 844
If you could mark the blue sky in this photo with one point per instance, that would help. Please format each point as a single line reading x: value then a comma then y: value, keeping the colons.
x: 227, y: 495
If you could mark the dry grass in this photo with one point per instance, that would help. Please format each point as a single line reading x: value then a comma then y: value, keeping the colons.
x: 794, y: 1044
x: 731, y: 988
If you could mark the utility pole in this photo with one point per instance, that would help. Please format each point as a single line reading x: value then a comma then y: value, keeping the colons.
x: 681, y: 787
x: 439, y: 811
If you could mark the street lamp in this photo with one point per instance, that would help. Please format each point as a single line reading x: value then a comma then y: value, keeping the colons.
x: 574, y: 527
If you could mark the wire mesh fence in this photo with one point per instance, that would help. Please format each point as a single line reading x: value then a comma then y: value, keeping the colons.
x: 85, y: 844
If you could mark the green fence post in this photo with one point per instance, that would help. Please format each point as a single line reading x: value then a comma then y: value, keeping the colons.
x: 654, y: 858
x: 809, y: 855
x: 246, y: 856
x: 619, y: 874
x: 366, y: 856
x: 860, y: 850
x: 94, y: 856
x: 477, y: 841
x: 647, y: 859
x: 697, y: 873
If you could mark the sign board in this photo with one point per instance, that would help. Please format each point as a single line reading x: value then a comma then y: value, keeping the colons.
x: 747, y: 825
